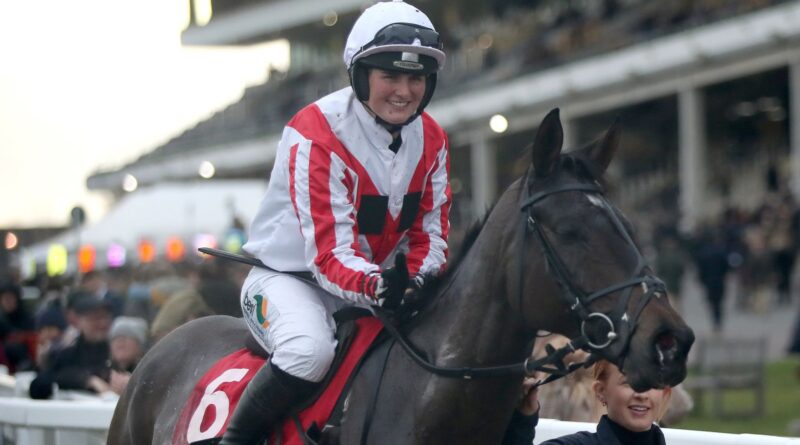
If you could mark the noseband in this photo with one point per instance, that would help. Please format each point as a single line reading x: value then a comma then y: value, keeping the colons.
x: 578, y: 300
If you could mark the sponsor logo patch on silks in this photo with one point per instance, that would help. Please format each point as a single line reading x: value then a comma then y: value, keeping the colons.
x: 261, y: 310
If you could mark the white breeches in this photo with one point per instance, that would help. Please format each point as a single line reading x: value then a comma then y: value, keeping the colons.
x: 292, y: 320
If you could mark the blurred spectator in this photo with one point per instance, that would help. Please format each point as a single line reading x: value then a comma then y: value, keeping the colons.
x: 670, y: 266
x: 16, y: 329
x: 183, y: 307
x: 711, y: 258
x: 95, y: 284
x: 72, y: 332
x: 217, y: 293
x: 54, y: 289
x: 794, y: 342
x: 139, y: 303
x: 84, y: 364
x: 734, y: 225
x: 758, y: 273
x: 146, y: 291
x: 128, y: 344
x: 163, y: 288
x: 50, y: 326
x: 781, y: 243
x: 220, y: 285
x: 3, y: 359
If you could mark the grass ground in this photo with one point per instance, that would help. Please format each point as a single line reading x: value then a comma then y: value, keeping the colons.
x: 782, y: 405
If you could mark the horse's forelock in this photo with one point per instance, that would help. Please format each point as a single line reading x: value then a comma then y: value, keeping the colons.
x: 583, y: 167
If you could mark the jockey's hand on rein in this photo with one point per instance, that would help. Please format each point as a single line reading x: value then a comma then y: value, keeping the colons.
x: 392, y: 284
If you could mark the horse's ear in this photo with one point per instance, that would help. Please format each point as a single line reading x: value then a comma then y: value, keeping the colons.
x: 601, y: 152
x: 547, y: 144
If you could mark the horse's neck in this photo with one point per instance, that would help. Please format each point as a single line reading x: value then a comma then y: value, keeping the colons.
x: 473, y: 325
x: 472, y: 322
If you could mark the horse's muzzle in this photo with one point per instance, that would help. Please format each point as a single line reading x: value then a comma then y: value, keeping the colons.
x: 659, y: 360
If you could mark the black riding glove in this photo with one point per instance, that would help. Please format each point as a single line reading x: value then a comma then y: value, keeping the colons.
x: 393, y: 284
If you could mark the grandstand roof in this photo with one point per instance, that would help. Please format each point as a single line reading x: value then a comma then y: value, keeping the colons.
x: 262, y: 20
x: 736, y: 46
x: 752, y: 37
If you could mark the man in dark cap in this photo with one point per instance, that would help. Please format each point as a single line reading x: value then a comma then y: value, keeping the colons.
x: 95, y: 283
x: 50, y: 326
x: 83, y: 365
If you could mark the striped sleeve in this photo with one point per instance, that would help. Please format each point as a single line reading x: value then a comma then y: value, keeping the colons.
x: 428, y: 235
x: 321, y: 195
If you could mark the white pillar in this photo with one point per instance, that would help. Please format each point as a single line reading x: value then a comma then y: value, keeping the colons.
x: 794, y: 126
x: 691, y: 156
x: 484, y: 174
x: 569, y: 133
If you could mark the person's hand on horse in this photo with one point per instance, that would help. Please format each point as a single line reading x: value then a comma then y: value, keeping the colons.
x: 393, y: 284
x: 529, y: 403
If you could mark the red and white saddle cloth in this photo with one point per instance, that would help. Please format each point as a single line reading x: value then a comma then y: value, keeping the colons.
x: 206, y: 414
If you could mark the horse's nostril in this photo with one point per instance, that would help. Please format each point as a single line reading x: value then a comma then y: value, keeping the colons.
x: 666, y: 341
x: 666, y: 346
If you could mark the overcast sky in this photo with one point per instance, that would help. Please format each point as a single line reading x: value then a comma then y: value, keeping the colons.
x: 86, y: 84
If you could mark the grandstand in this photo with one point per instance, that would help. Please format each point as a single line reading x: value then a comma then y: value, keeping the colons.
x: 696, y: 84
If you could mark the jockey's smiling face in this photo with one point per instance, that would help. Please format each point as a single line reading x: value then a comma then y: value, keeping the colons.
x: 395, y: 96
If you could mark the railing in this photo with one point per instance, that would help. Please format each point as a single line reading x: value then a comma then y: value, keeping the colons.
x: 77, y: 422
x: 54, y: 422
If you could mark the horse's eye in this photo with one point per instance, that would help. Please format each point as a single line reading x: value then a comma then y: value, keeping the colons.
x: 570, y: 233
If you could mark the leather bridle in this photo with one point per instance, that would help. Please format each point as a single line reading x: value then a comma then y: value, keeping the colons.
x: 618, y: 320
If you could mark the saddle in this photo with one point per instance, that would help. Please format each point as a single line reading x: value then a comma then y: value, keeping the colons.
x: 206, y: 413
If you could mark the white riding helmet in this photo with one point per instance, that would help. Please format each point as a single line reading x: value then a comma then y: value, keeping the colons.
x: 393, y: 36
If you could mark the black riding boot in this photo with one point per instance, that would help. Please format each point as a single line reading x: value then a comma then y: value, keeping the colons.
x: 265, y: 402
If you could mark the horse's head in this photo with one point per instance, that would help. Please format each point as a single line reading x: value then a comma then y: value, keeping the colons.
x: 575, y: 247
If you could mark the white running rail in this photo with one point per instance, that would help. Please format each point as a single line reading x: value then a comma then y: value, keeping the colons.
x: 83, y: 422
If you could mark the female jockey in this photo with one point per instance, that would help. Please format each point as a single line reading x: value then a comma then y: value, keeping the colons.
x: 360, y: 175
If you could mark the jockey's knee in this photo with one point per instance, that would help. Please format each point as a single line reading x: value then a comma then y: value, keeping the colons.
x: 305, y: 357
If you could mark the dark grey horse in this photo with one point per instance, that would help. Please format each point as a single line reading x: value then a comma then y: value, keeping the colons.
x: 486, y: 312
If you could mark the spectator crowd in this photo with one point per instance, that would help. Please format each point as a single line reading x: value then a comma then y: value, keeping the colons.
x: 90, y: 334
x: 747, y: 255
